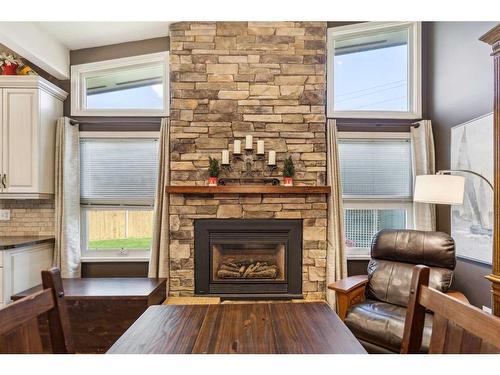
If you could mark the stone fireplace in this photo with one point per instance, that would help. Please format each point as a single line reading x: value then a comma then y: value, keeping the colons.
x: 248, y: 258
x: 229, y: 80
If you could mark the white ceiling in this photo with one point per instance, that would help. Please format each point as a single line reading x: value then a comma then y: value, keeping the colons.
x: 77, y: 35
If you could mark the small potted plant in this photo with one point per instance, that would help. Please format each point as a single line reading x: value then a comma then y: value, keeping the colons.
x: 9, y: 64
x: 213, y: 171
x: 288, y: 171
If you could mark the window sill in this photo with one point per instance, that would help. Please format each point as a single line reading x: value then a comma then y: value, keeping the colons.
x: 358, y: 257
x: 358, y: 254
x: 113, y: 259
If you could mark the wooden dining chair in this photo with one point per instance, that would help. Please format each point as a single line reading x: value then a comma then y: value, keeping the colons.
x: 19, y: 331
x: 457, y: 328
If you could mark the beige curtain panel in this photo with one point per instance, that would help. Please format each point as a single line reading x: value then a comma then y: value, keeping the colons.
x: 336, y: 264
x: 423, y: 160
x: 67, y: 199
x: 159, y: 262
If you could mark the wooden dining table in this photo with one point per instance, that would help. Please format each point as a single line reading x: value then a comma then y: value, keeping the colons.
x: 253, y: 328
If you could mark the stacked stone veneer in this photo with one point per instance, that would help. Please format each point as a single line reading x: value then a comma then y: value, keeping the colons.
x: 230, y: 79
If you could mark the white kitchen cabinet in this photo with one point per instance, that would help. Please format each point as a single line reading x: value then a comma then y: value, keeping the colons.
x: 21, y: 267
x: 29, y: 109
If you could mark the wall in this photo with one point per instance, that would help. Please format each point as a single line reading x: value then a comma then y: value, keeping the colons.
x: 230, y: 79
x: 460, y: 88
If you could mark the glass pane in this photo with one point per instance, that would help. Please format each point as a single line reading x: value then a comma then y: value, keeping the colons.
x: 252, y: 261
x: 137, y: 88
x: 371, y: 73
x: 119, y: 229
x: 362, y: 225
x: 376, y: 168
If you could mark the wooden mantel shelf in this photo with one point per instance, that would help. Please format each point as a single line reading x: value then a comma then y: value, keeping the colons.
x: 248, y: 189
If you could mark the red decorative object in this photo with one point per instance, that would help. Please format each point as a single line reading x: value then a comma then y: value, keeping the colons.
x: 288, y: 181
x: 212, y: 181
x: 9, y: 70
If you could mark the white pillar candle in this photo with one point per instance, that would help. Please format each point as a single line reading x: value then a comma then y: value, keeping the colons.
x: 260, y: 147
x: 225, y: 157
x: 248, y: 142
x: 237, y: 147
x: 272, y: 158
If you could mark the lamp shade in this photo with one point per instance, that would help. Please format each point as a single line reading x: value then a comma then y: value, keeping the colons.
x: 439, y: 189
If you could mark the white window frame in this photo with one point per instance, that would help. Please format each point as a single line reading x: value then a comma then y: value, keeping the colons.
x: 360, y: 203
x: 79, y: 73
x: 111, y: 255
x: 414, y: 67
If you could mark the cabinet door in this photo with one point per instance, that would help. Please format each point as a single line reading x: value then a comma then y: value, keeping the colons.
x: 20, y: 140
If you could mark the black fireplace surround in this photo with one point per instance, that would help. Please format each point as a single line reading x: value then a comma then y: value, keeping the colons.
x: 272, y: 247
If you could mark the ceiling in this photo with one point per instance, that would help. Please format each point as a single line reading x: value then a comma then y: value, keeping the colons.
x: 77, y: 35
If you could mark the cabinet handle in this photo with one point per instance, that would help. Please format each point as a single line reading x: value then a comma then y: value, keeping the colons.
x: 4, y: 181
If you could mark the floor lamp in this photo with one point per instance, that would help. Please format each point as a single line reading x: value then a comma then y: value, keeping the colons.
x: 444, y: 188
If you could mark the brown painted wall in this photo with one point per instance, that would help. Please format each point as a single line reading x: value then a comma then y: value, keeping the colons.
x: 116, y: 51
x: 460, y: 88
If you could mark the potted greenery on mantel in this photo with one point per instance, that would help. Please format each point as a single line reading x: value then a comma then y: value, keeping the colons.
x: 288, y: 171
x: 213, y: 171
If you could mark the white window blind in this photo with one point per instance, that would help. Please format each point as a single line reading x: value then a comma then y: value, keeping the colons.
x: 118, y: 171
x: 375, y: 168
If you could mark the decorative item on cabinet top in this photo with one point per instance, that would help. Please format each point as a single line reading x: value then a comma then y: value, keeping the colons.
x: 30, y: 109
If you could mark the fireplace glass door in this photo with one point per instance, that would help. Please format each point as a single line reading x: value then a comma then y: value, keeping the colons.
x: 260, y: 261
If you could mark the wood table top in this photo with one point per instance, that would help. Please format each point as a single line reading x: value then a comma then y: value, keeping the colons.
x: 258, y: 328
x: 104, y: 287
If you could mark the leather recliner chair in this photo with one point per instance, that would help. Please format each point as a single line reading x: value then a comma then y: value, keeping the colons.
x: 373, y: 306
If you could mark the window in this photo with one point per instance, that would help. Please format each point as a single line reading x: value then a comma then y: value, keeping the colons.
x: 377, y: 186
x: 117, y: 188
x: 132, y: 86
x: 375, y: 70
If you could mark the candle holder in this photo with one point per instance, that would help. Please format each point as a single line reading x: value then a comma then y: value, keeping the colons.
x: 272, y: 168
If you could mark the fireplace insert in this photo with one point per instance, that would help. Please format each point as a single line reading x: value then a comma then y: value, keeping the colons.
x: 247, y: 259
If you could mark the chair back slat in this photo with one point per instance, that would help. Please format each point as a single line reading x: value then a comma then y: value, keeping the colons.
x: 19, y: 321
x: 454, y: 337
x: 457, y: 326
x: 438, y: 337
x: 471, y: 343
x: 25, y: 310
x: 24, y: 339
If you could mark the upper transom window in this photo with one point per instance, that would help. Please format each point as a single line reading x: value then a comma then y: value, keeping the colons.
x: 132, y: 86
x: 375, y: 70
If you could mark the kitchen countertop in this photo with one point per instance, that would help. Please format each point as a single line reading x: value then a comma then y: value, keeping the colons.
x: 11, y: 242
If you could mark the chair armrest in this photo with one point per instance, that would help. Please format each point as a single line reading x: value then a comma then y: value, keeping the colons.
x: 348, y: 284
x: 458, y: 296
x: 349, y: 291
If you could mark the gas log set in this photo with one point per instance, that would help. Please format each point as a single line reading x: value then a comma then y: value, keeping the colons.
x: 247, y: 269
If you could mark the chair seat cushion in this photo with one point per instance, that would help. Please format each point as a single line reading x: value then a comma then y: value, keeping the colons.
x: 382, y: 324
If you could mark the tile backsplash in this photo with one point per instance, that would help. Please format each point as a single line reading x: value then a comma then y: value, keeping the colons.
x: 28, y: 217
